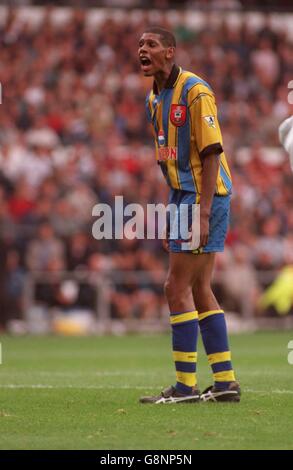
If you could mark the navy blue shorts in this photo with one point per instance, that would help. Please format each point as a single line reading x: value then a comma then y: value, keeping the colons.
x: 219, y: 221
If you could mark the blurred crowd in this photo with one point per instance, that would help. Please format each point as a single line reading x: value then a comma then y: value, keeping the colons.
x: 263, y: 5
x: 73, y: 133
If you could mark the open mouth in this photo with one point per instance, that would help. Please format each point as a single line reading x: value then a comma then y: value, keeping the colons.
x: 145, y: 62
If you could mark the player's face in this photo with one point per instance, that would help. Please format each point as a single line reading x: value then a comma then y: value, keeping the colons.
x: 153, y: 55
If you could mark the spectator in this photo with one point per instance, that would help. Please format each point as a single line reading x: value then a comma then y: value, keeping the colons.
x: 44, y: 249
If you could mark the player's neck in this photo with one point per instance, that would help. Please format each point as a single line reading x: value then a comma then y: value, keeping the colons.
x: 162, y: 76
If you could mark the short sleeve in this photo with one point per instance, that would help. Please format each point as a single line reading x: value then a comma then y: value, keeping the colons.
x: 206, y: 130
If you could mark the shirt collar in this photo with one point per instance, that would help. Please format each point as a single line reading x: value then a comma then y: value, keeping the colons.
x: 171, y: 80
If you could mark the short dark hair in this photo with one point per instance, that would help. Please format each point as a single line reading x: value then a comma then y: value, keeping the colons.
x: 167, y: 38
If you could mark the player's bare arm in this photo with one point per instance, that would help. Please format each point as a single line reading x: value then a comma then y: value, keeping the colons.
x: 210, y: 169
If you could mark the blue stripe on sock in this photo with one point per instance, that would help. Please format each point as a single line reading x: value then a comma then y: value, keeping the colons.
x: 222, y: 385
x: 211, y: 318
x: 183, y: 388
x: 222, y: 366
x: 184, y: 337
x: 186, y: 322
x: 185, y: 366
x: 214, y: 333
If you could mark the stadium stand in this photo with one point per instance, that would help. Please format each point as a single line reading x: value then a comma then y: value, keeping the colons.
x: 73, y: 133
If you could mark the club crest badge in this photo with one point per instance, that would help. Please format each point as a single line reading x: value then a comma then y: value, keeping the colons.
x: 178, y: 114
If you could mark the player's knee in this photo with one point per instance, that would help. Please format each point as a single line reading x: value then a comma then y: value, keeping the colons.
x: 168, y: 286
x: 170, y: 289
x: 175, y: 289
x: 202, y: 287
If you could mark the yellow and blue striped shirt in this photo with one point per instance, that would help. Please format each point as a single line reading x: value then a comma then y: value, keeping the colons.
x: 186, y: 129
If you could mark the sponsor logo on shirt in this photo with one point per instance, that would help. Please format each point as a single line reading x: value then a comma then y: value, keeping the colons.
x: 167, y: 153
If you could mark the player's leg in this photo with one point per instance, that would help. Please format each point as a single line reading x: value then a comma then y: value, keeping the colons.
x: 183, y: 269
x: 183, y: 315
x: 214, y: 335
x: 211, y: 317
x: 201, y: 290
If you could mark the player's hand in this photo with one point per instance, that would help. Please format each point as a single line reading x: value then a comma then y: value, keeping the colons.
x: 204, y: 229
x: 166, y: 244
x: 165, y: 240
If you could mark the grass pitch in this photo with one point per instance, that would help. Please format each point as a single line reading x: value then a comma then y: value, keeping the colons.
x: 82, y: 393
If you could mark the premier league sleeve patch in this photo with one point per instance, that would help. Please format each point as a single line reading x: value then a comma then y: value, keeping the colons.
x: 210, y: 120
x: 178, y: 114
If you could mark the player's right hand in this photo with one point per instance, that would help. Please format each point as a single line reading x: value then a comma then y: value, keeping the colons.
x: 165, y: 240
x: 166, y: 244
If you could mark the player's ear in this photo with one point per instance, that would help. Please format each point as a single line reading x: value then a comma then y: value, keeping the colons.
x: 170, y: 52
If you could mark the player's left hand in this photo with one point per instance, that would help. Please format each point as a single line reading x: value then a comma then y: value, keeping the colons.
x: 204, y: 229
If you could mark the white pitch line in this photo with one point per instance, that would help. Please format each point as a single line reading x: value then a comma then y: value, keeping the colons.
x: 114, y: 373
x: 268, y: 392
x: 86, y: 387
x: 73, y: 375
x: 122, y: 387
